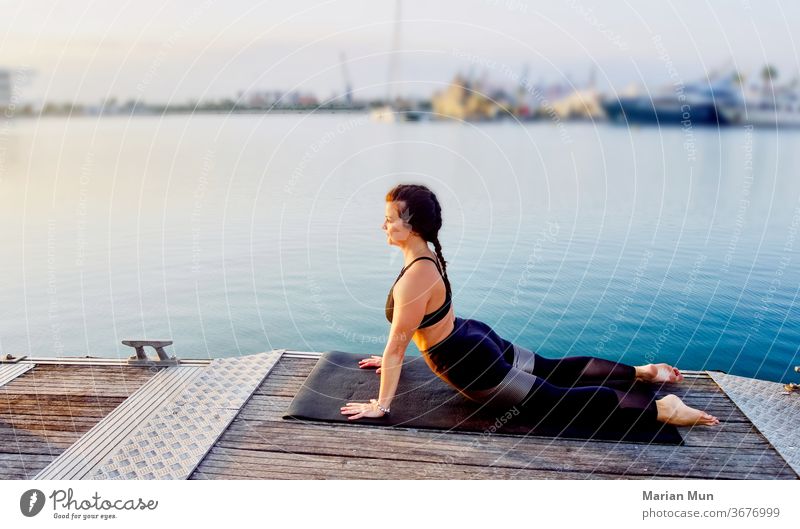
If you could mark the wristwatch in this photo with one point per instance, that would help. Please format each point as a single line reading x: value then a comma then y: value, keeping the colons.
x: 376, y: 403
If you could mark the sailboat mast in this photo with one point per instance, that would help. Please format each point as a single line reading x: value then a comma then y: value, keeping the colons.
x: 394, y: 59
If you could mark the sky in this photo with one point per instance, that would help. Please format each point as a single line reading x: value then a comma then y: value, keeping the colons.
x: 174, y: 52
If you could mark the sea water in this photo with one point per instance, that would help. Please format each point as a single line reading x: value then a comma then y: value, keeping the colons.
x: 236, y: 234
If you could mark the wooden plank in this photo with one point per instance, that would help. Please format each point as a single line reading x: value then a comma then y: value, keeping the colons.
x: 22, y: 465
x: 225, y: 463
x: 62, y: 380
x: 505, y: 450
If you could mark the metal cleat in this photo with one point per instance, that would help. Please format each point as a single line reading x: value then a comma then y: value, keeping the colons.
x: 141, y: 359
x: 8, y: 358
x: 792, y: 387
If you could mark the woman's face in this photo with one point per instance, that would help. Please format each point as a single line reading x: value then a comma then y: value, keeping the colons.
x: 397, y: 231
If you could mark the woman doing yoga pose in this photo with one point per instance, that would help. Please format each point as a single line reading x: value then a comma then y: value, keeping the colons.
x: 483, y: 366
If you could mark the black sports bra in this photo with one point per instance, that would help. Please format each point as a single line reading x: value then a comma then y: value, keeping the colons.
x: 434, y: 316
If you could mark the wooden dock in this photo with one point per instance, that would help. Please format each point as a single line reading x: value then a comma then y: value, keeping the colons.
x: 56, y: 411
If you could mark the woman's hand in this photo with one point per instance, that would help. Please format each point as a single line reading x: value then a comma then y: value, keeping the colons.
x: 361, y: 409
x: 373, y: 361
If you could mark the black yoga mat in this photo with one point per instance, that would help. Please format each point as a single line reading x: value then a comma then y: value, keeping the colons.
x: 423, y: 400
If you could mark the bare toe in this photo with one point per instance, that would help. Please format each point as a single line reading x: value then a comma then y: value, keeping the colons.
x: 667, y: 373
x: 664, y: 373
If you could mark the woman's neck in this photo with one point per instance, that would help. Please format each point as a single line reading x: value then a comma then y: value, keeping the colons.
x: 415, y: 250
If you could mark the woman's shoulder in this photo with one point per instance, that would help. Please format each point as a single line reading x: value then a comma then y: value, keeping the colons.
x: 421, y: 267
x: 419, y: 276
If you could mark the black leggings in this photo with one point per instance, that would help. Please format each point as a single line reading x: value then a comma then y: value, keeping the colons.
x: 577, y: 390
x: 585, y: 391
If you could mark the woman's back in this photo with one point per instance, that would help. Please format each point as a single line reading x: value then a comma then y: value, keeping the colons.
x: 430, y: 318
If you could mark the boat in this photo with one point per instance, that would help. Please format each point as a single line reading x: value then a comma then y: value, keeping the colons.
x: 765, y: 104
x: 692, y: 104
x: 399, y: 111
x: 383, y: 114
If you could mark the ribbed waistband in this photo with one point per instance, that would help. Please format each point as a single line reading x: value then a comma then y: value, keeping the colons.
x: 524, y: 359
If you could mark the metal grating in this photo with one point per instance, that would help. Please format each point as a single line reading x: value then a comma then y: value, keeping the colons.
x: 173, y: 440
x: 9, y: 372
x: 165, y: 429
x: 96, y: 444
x: 774, y: 412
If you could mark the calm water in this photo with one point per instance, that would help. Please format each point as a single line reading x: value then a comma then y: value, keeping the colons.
x: 234, y: 235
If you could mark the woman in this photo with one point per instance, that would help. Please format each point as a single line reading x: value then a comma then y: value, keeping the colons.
x: 481, y: 365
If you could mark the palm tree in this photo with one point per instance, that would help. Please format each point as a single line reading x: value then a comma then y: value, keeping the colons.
x: 768, y: 74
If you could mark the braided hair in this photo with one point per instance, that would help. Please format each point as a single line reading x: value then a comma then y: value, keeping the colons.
x: 421, y: 210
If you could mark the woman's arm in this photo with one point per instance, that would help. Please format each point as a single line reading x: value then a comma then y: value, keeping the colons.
x: 411, y: 295
x: 392, y: 361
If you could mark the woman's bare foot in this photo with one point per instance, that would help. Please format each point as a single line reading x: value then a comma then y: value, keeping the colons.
x: 658, y: 373
x: 673, y: 410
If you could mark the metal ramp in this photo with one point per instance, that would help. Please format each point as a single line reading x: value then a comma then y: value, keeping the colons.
x: 771, y: 409
x: 9, y: 372
x: 164, y: 429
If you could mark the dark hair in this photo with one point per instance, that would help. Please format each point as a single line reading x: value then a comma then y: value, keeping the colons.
x: 421, y: 210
